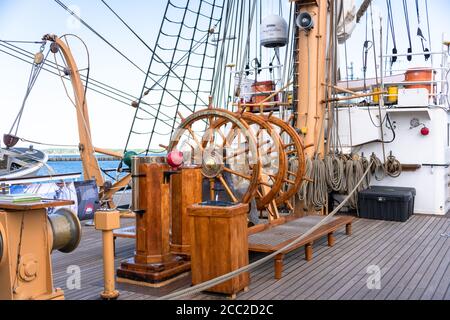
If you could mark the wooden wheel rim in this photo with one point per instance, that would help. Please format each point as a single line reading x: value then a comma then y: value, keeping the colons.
x: 297, y: 144
x: 249, y: 118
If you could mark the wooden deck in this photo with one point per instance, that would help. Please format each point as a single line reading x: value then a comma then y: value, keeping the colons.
x: 414, y: 259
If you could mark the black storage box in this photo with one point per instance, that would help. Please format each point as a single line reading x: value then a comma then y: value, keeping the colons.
x: 386, y: 203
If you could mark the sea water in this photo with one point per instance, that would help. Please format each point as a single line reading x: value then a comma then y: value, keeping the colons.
x: 65, y: 167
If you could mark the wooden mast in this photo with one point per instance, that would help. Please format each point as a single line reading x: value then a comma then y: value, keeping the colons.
x: 311, y: 68
x: 91, y: 169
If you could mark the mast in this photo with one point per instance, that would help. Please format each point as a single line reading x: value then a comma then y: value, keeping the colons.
x: 91, y: 168
x: 310, y: 72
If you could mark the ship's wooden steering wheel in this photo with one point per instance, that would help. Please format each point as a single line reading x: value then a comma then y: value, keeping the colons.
x: 271, y: 153
x: 218, y: 148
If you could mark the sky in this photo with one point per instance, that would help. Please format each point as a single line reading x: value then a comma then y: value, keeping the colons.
x: 49, y: 116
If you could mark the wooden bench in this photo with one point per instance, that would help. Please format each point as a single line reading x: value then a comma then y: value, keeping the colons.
x: 273, y: 237
x: 269, y: 238
x: 127, y: 233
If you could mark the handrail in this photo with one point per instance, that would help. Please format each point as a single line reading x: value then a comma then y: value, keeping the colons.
x: 412, y: 54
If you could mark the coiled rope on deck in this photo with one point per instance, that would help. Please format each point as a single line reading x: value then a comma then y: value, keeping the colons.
x: 211, y: 283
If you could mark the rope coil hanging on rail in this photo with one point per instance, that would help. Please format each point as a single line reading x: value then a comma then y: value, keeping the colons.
x: 303, y: 190
x: 335, y: 172
x: 317, y: 193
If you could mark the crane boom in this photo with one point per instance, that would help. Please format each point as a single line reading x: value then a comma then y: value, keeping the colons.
x: 91, y: 168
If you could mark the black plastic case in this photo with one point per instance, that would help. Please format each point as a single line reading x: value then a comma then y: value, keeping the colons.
x: 387, y: 203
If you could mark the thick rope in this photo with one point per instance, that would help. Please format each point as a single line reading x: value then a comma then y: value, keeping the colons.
x: 317, y: 194
x: 211, y: 283
x: 302, y: 191
x: 335, y: 173
x: 366, y: 165
x: 393, y: 166
x: 354, y: 171
x: 377, y: 167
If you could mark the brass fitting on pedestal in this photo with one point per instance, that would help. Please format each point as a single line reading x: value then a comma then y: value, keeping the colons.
x: 107, y: 221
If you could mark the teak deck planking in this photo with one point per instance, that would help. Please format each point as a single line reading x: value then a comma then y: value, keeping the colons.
x: 335, y: 272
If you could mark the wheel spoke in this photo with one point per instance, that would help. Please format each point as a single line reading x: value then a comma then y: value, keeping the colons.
x: 195, y: 138
x: 239, y: 152
x: 237, y: 173
x: 231, y: 135
x: 228, y: 189
x: 212, y: 193
x: 289, y: 205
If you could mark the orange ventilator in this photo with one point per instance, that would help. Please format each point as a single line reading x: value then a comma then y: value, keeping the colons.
x: 420, y: 75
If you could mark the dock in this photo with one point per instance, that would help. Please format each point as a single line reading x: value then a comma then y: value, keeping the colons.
x: 414, y: 259
x: 74, y: 158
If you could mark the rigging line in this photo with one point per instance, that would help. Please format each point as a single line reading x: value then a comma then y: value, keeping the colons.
x: 101, y: 37
x: 86, y: 82
x: 88, y: 62
x: 367, y: 46
x: 376, y: 70
x: 143, y: 88
x: 391, y: 25
x: 241, y: 36
x: 222, y: 64
x: 56, y: 74
x: 85, y: 121
x: 345, y: 44
x: 247, y: 45
x: 374, y: 46
x: 429, y: 30
x: 386, y: 59
x: 405, y: 11
x: 249, y: 21
x: 223, y: 26
x: 167, y: 78
x: 218, y: 87
x: 51, y: 64
x: 60, y: 3
x: 34, y: 74
x: 287, y: 56
x: 420, y: 33
x: 418, y: 12
x: 148, y: 47
x: 49, y: 144
x: 87, y: 76
x: 187, y: 66
x: 26, y: 42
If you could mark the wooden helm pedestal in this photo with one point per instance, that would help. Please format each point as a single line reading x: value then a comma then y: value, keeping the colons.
x: 27, y: 238
x: 186, y: 190
x: 153, y: 264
